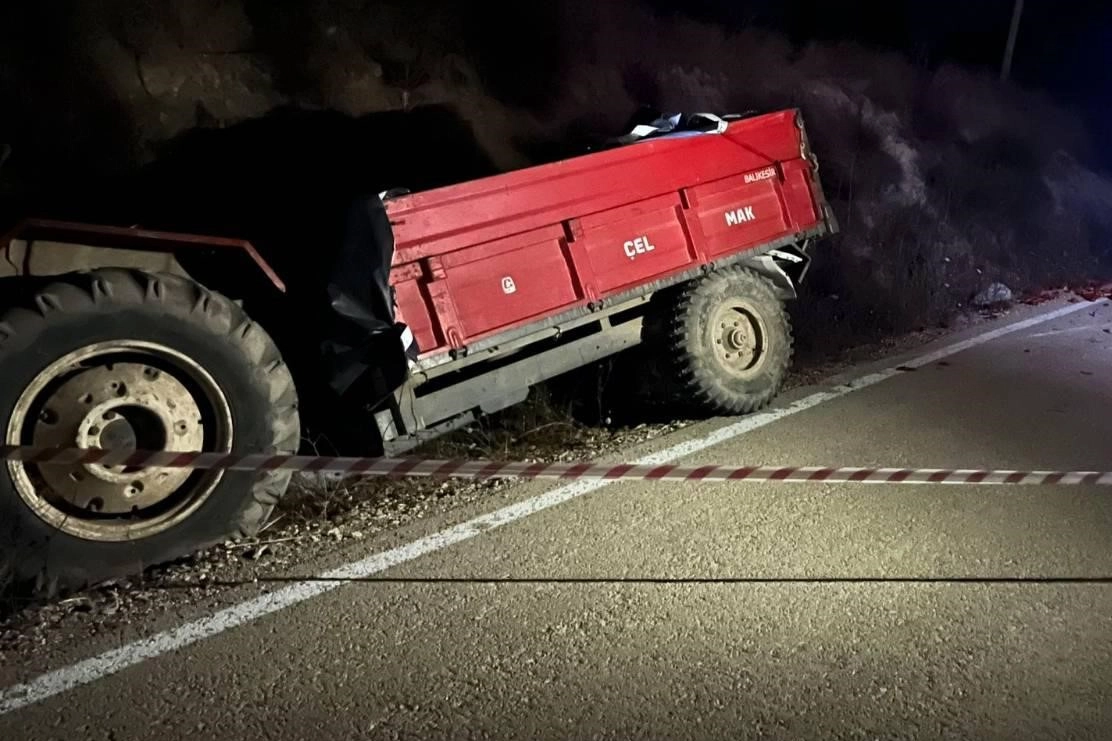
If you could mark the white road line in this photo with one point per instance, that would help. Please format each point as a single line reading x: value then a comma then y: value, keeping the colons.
x: 95, y: 668
x: 1070, y: 330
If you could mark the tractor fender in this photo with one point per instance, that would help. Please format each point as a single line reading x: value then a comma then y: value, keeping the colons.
x: 41, y: 247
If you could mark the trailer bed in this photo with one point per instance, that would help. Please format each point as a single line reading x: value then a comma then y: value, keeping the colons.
x: 489, y: 259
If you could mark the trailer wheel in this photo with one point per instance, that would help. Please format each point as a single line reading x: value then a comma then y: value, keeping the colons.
x: 124, y: 359
x: 732, y: 341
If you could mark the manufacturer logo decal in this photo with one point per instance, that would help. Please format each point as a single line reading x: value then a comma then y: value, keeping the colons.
x: 740, y: 216
x: 638, y: 246
x: 756, y: 177
x: 508, y: 285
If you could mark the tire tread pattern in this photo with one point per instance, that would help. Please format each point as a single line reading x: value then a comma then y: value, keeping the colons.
x: 217, y: 315
x: 694, y: 369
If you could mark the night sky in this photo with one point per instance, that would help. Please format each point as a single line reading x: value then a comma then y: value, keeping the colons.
x: 1064, y: 47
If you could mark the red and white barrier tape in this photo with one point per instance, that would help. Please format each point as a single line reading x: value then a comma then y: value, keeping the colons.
x: 466, y: 469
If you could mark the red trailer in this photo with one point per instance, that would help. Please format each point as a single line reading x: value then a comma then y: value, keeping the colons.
x: 110, y: 337
x: 570, y: 251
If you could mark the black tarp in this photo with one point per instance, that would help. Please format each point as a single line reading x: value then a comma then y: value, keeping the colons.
x: 366, y: 335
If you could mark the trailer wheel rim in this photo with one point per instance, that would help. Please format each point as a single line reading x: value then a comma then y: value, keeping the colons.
x: 739, y: 338
x: 120, y: 394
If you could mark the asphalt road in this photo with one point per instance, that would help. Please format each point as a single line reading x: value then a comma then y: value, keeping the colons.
x: 794, y: 611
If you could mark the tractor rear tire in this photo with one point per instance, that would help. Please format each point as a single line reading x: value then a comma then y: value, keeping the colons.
x: 731, y: 341
x: 126, y: 359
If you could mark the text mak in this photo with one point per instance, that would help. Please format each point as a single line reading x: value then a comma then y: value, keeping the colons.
x: 740, y: 216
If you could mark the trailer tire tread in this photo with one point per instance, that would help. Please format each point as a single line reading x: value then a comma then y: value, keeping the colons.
x: 697, y: 372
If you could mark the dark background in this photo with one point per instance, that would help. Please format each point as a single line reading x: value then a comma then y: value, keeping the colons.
x: 1063, y: 47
